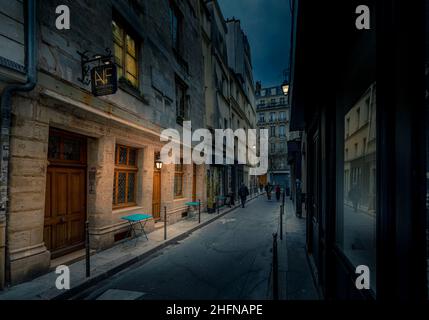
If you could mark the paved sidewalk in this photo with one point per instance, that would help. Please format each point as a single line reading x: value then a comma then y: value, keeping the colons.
x: 106, y: 263
x: 296, y: 279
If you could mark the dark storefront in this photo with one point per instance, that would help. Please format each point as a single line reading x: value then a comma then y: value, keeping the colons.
x: 358, y: 97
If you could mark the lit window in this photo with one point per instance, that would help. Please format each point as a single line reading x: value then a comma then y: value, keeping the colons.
x: 125, y: 177
x: 126, y: 54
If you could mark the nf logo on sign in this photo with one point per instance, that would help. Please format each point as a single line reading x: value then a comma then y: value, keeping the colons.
x: 104, y: 80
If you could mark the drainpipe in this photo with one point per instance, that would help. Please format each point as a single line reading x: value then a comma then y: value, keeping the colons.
x: 5, y: 125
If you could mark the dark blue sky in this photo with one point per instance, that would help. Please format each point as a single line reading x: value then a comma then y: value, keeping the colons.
x: 267, y: 25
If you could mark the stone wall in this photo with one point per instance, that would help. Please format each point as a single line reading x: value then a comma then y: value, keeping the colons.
x: 132, y: 118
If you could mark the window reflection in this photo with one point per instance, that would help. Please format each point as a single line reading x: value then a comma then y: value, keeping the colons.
x: 357, y: 229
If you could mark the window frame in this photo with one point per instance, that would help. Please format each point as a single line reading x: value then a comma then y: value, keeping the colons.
x: 126, y: 32
x: 126, y: 169
x: 181, y: 174
x: 179, y: 83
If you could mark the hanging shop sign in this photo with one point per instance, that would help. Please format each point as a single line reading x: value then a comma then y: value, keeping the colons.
x: 100, y: 72
x: 104, y: 80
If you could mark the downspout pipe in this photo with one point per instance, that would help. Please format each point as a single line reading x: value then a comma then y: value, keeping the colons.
x: 5, y: 124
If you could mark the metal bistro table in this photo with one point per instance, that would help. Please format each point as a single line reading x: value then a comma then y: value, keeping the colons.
x: 194, y: 205
x: 137, y: 222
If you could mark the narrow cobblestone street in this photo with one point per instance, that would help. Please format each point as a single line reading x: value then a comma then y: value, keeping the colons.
x: 229, y: 259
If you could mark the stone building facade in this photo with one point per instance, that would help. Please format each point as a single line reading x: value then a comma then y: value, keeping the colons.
x: 76, y: 157
x: 229, y: 94
x: 12, y: 71
x: 274, y: 115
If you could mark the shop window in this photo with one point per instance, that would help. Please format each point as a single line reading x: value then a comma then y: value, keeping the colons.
x: 125, y: 177
x: 178, y: 180
x: 126, y: 54
x: 356, y: 219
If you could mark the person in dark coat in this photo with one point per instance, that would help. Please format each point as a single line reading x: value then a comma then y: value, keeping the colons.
x: 268, y: 189
x: 243, y: 192
x: 278, y: 193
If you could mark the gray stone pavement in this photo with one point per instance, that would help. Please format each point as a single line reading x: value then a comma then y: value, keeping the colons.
x: 295, y: 270
x: 227, y: 257
x: 230, y: 259
x: 106, y: 263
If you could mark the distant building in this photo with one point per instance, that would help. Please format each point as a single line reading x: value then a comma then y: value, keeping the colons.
x: 273, y: 114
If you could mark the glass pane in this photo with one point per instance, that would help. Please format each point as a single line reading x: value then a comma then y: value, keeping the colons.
x: 131, y: 187
x: 178, y: 185
x: 357, y: 224
x: 132, y: 157
x: 122, y: 180
x: 131, y: 46
x: 131, y: 65
x: 118, y: 54
x: 132, y: 79
x: 72, y: 150
x: 114, y: 188
x: 54, y: 147
x: 117, y: 33
x: 122, y: 155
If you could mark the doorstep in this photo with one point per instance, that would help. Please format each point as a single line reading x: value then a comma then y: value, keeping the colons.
x: 105, y: 264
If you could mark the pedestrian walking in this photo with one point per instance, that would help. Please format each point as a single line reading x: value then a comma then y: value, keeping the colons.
x: 278, y: 193
x: 268, y: 189
x: 243, y: 192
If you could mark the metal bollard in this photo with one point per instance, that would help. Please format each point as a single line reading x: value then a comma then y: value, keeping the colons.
x: 284, y: 197
x: 165, y: 223
x: 275, y: 269
x: 218, y: 206
x: 88, y: 251
x: 199, y: 211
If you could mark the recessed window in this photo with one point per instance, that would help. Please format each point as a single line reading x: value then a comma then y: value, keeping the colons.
x: 126, y: 54
x: 125, y: 177
x: 181, y: 101
x: 175, y: 27
x: 273, y: 132
x: 282, y: 131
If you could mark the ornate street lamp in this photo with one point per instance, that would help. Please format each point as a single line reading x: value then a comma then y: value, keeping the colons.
x: 158, y: 164
x: 285, y: 88
x: 286, y: 84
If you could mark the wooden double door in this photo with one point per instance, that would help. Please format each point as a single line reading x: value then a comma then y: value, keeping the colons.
x: 65, y: 204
